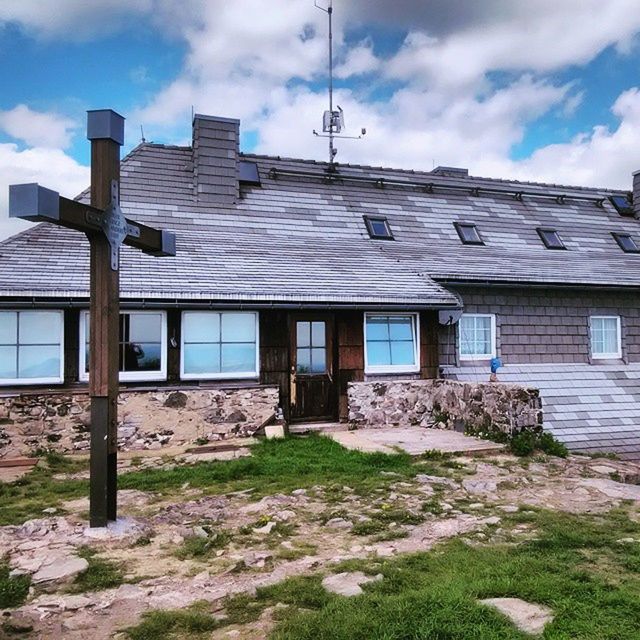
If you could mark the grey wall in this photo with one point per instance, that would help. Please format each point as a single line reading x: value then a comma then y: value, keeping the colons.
x: 547, y: 326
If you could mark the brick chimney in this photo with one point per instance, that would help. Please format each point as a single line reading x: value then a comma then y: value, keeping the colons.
x: 636, y: 194
x: 216, y: 149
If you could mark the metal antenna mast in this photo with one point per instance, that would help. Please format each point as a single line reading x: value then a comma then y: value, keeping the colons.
x: 332, y: 120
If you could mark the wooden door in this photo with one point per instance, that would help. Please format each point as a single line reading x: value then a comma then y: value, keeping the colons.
x: 313, y: 389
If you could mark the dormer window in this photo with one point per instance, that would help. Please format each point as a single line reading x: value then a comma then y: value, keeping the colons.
x: 551, y: 238
x: 378, y: 228
x: 622, y: 205
x: 468, y: 233
x: 626, y: 242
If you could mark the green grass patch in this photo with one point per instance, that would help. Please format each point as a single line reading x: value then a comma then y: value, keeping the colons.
x: 279, y: 466
x: 28, y: 496
x: 100, y: 574
x: 13, y: 591
x: 575, y: 566
x: 199, y: 548
x: 195, y: 621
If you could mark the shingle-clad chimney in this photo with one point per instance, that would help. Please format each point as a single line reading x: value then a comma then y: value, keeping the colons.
x: 216, y: 149
x: 636, y: 194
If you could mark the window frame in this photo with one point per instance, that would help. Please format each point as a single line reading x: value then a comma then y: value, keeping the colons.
x: 43, y: 380
x: 128, y: 376
x: 617, y: 236
x: 368, y: 220
x: 625, y: 212
x: 232, y: 375
x: 606, y: 356
x: 459, y: 228
x: 542, y: 230
x: 493, y: 338
x: 394, y: 368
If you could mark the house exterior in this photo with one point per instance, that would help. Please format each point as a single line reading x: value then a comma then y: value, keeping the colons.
x: 293, y: 279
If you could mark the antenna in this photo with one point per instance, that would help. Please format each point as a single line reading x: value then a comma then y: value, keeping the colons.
x: 142, y: 138
x: 332, y: 120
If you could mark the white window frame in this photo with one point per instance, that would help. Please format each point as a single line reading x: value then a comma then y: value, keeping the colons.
x: 128, y: 376
x: 394, y: 368
x: 479, y: 356
x: 51, y: 379
x: 606, y: 356
x: 233, y: 375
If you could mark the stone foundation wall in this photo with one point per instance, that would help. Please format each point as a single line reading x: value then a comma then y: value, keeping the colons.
x: 444, y: 404
x: 147, y: 419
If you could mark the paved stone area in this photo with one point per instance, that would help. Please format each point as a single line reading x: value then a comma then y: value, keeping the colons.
x: 413, y: 440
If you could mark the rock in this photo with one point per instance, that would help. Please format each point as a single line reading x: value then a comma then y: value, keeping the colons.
x: 348, y: 584
x: 49, y: 510
x: 474, y: 485
x: 176, y: 400
x: 530, y: 618
x: 299, y: 492
x: 60, y: 569
x: 285, y: 516
x: 423, y: 478
x: 491, y: 520
x: 626, y: 541
x: 338, y: 523
x: 509, y: 508
x: 256, y: 559
x: 199, y: 532
x: 267, y: 529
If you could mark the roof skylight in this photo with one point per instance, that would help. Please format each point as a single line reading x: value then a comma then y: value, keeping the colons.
x: 378, y: 227
x: 468, y: 233
x: 622, y: 204
x: 626, y: 242
x: 248, y: 172
x: 551, y: 238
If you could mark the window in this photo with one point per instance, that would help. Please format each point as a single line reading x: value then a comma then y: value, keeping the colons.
x: 605, y: 337
x: 468, y: 233
x: 626, y: 242
x: 391, y: 343
x: 248, y: 172
x: 219, y: 345
x: 31, y: 347
x: 551, y: 238
x: 142, y: 348
x: 477, y: 336
x: 311, y: 342
x: 622, y: 205
x: 378, y: 228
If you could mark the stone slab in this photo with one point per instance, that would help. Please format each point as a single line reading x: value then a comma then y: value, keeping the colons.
x: 348, y: 584
x: 528, y: 617
x: 413, y: 440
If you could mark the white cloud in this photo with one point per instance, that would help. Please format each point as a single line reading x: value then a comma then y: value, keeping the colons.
x: 37, y: 128
x: 359, y: 60
x: 49, y: 167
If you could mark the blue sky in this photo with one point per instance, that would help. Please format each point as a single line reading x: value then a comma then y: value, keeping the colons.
x: 531, y: 90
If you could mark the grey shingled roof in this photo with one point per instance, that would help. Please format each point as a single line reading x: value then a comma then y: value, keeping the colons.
x: 591, y: 408
x: 303, y: 240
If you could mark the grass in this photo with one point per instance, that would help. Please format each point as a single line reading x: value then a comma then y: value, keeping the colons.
x: 101, y: 574
x: 280, y: 466
x: 13, y: 591
x: 200, y: 548
x: 28, y: 496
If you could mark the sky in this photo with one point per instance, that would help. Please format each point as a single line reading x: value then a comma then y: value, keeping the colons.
x: 543, y: 90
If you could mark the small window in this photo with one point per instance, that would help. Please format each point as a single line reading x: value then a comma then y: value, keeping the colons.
x: 626, y: 242
x: 605, y: 337
x: 468, y: 233
x: 311, y: 343
x: 477, y: 336
x: 31, y: 347
x: 551, y: 238
x: 248, y: 172
x: 622, y: 204
x: 391, y: 343
x: 218, y: 345
x: 378, y: 228
x: 142, y: 349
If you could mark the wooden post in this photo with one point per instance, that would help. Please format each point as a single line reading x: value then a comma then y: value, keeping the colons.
x: 105, y: 130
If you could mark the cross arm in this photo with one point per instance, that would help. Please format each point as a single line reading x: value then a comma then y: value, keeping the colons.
x: 38, y: 204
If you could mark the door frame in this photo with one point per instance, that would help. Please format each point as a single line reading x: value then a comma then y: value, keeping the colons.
x: 329, y: 318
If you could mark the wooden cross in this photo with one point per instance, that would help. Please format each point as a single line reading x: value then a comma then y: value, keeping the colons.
x: 106, y: 228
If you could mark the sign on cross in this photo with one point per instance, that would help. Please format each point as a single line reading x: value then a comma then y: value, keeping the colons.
x: 106, y: 228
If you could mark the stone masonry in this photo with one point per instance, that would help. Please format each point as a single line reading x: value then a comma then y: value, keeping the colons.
x: 444, y: 404
x: 60, y: 421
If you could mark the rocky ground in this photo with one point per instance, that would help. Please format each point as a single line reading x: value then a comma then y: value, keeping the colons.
x: 177, y: 548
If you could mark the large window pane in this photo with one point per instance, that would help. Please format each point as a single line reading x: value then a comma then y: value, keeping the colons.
x: 318, y: 334
x: 318, y: 360
x: 378, y: 353
x: 391, y: 342
x: 303, y: 360
x: 201, y: 358
x: 238, y: 327
x: 402, y: 353
x: 476, y: 336
x: 303, y: 334
x: 145, y: 327
x: 39, y: 327
x: 39, y: 361
x: 8, y: 362
x: 201, y: 327
x: 8, y: 327
x: 377, y: 328
x: 400, y: 328
x: 238, y: 357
